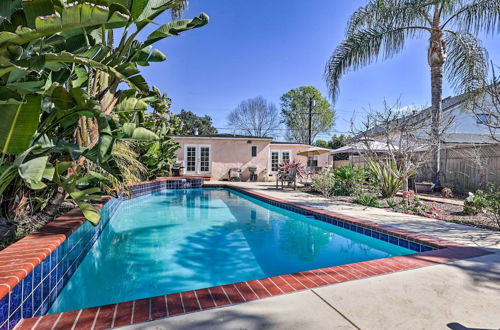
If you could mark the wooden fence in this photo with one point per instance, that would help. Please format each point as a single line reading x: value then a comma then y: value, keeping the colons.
x: 468, y: 168
x: 463, y: 168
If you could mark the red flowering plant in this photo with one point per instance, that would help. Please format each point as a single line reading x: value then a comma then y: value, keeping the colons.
x: 286, y: 166
x: 408, y: 196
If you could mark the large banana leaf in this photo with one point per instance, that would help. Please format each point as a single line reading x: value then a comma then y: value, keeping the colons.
x: 125, y: 73
x: 81, y: 197
x: 148, y: 9
x: 138, y: 133
x: 33, y: 171
x: 19, y: 122
x: 147, y: 55
x: 7, y: 174
x: 73, y: 16
x: 176, y: 27
x: 131, y: 104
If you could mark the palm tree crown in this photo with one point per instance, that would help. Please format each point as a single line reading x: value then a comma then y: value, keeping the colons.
x: 380, y: 29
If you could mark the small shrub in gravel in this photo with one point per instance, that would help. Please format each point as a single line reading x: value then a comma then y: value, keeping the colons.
x: 324, y: 183
x: 487, y: 202
x: 446, y: 193
x: 366, y: 200
x: 475, y: 203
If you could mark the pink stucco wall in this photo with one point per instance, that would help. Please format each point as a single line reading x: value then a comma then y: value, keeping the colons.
x: 229, y: 153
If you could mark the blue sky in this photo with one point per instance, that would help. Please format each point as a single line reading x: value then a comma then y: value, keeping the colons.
x: 266, y: 48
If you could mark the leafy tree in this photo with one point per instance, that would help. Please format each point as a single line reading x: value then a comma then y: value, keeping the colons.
x: 192, y: 122
x: 65, y: 133
x: 337, y: 141
x: 381, y: 28
x: 255, y: 117
x: 295, y: 112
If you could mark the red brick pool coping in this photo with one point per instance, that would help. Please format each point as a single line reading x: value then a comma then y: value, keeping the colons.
x: 20, y: 258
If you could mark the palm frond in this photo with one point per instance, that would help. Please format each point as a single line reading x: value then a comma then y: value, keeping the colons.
x: 126, y: 158
x: 131, y: 170
x: 390, y: 13
x: 475, y: 16
x: 364, y: 47
x: 466, y: 63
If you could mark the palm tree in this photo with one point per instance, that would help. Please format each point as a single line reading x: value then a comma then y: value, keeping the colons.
x: 380, y: 29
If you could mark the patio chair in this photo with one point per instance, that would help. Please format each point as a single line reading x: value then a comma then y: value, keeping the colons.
x: 234, y: 174
x: 288, y: 177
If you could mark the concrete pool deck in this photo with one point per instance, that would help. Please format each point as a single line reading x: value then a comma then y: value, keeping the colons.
x: 459, y: 295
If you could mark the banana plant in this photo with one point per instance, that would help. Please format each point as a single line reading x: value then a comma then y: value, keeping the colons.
x: 60, y: 73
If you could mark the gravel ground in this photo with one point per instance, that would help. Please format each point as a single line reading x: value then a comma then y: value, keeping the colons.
x: 454, y: 213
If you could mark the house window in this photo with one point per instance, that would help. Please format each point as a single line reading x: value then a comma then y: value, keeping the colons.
x: 483, y: 118
x: 191, y: 159
x: 312, y: 161
x: 285, y: 156
x: 275, y: 161
x: 279, y: 157
x: 254, y: 151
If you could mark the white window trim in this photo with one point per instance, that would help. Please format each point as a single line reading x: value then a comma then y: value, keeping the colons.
x: 197, y: 158
x: 280, y: 158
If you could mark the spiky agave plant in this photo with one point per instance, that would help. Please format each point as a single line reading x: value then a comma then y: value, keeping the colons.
x: 381, y: 28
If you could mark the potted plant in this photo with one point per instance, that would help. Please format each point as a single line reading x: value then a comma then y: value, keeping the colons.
x: 424, y: 187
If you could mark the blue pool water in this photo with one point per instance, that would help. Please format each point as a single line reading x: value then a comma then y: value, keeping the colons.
x: 180, y: 240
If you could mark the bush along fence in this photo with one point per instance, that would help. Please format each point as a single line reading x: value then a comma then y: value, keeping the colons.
x: 464, y: 168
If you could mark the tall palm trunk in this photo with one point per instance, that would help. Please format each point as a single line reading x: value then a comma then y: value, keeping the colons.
x: 436, y: 56
x: 437, y: 109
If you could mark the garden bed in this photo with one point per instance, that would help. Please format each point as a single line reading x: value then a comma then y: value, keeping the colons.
x: 23, y: 225
x: 451, y: 212
x: 454, y: 213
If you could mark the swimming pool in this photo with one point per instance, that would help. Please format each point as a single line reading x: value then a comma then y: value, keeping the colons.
x: 179, y: 240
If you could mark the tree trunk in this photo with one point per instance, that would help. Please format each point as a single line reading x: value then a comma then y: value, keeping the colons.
x: 55, y: 202
x: 436, y: 56
x: 437, y: 110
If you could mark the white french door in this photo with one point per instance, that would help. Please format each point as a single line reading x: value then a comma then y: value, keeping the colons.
x: 197, y: 159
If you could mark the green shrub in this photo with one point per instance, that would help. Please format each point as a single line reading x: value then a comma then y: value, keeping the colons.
x: 343, y: 181
x: 324, y: 183
x: 367, y: 200
x: 348, y: 180
x: 391, y: 202
x: 485, y: 201
x: 386, y: 177
x: 475, y: 203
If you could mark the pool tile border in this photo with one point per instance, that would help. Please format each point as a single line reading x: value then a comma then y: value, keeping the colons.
x: 147, y: 309
x: 148, y: 187
x: 34, y: 270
